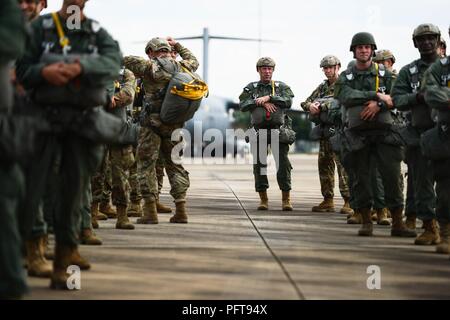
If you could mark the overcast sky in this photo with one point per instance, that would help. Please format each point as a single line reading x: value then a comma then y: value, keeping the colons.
x: 307, y: 31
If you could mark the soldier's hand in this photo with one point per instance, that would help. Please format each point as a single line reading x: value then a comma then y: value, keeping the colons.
x: 270, y: 107
x: 370, y: 111
x: 314, y: 108
x: 171, y: 41
x: 113, y: 103
x: 386, y: 99
x: 73, y: 70
x: 55, y: 74
x: 261, y: 101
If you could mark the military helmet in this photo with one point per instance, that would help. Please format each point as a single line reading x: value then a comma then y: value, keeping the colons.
x: 426, y: 28
x: 330, y: 61
x: 157, y: 44
x: 362, y: 38
x: 382, y: 55
x: 265, y: 62
x: 443, y: 43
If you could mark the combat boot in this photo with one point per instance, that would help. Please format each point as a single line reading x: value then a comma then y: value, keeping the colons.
x: 78, y: 260
x: 346, y: 209
x: 122, y: 219
x: 63, y: 255
x: 411, y: 221
x: 367, y: 225
x: 286, y: 201
x: 134, y: 210
x: 431, y: 234
x: 180, y: 215
x: 95, y: 215
x: 150, y: 215
x: 327, y: 205
x: 356, y: 218
x: 89, y: 238
x: 108, y: 210
x: 399, y: 228
x: 444, y: 246
x: 38, y: 266
x: 264, y: 203
x: 160, y: 208
x: 382, y: 217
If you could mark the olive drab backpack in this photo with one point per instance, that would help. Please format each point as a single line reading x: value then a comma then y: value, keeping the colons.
x: 57, y: 49
x: 260, y: 117
x: 183, y: 95
x: 383, y: 119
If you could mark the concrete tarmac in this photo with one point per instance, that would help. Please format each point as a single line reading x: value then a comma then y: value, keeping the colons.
x: 229, y: 250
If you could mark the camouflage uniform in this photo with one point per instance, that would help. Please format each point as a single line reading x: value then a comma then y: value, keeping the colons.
x: 369, y: 141
x: 70, y: 153
x: 101, y: 181
x: 122, y: 157
x: 282, y: 99
x: 437, y: 86
x: 327, y: 158
x: 155, y: 136
x: 422, y: 170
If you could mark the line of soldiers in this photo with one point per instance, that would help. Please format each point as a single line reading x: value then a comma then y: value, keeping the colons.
x: 69, y: 124
x: 369, y: 120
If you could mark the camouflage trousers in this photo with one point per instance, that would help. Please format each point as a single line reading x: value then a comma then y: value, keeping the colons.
x: 283, y: 164
x: 327, y: 162
x: 133, y: 179
x: 101, y: 181
x: 152, y: 142
x: 122, y: 159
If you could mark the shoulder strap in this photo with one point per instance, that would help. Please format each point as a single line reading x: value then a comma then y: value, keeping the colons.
x: 413, y: 69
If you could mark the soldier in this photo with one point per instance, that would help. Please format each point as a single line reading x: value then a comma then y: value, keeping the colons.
x: 386, y: 58
x: 407, y: 96
x: 32, y: 8
x: 161, y: 208
x: 327, y: 158
x: 437, y: 95
x: 57, y: 58
x: 122, y: 156
x: 12, y: 278
x: 364, y: 91
x: 155, y: 136
x: 267, y: 100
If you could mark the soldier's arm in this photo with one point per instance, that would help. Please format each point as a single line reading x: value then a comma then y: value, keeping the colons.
x: 350, y: 97
x: 307, y: 103
x: 284, y: 100
x: 436, y: 96
x: 246, y: 100
x: 402, y: 94
x: 104, y: 67
x: 138, y: 65
x: 126, y: 94
x: 189, y: 60
x: 28, y: 68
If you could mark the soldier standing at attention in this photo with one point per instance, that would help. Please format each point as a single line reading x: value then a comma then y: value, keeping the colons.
x: 327, y: 159
x: 267, y: 99
x: 364, y: 91
x: 407, y: 96
x: 437, y: 96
